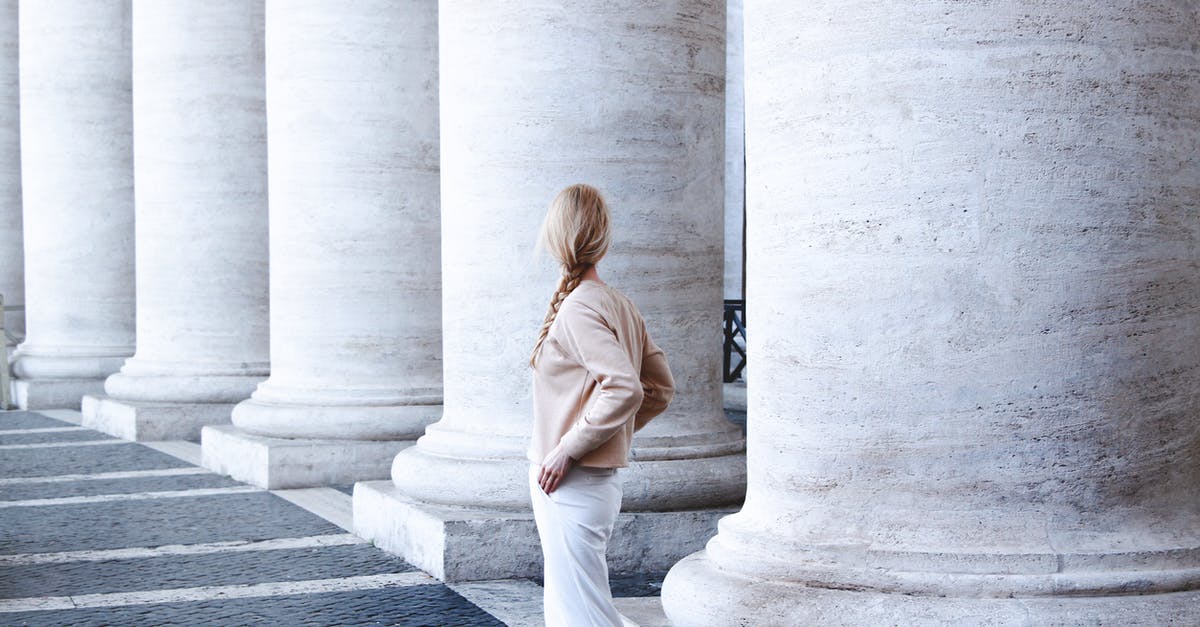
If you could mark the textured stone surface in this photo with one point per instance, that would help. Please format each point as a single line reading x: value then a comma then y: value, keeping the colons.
x: 77, y: 188
x: 647, y: 584
x: 279, y: 463
x: 54, y: 393
x: 48, y: 490
x: 12, y: 258
x: 413, y: 605
x: 28, y: 420
x: 146, y: 421
x: 735, y: 398
x: 40, y: 438
x: 638, y: 116
x: 642, y: 611
x: 184, y: 571
x: 355, y: 264
x: 208, y: 550
x: 735, y: 151
x: 201, y: 165
x: 975, y: 265
x: 450, y: 543
x: 774, y: 603
x: 68, y: 460
x: 467, y: 544
x: 164, y: 521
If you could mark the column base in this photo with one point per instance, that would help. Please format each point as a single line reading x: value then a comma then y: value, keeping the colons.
x: 142, y: 383
x: 699, y: 592
x: 467, y: 544
x: 282, y: 463
x: 685, y: 483
x: 54, y: 393
x: 146, y: 421
x: 319, y: 420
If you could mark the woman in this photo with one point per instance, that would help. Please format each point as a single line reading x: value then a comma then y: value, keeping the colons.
x: 597, y: 378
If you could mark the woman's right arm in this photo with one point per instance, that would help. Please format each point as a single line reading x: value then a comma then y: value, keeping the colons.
x: 588, y: 339
x: 658, y: 386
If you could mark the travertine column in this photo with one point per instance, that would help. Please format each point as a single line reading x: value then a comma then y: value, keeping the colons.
x: 735, y: 151
x: 12, y: 262
x: 735, y: 180
x: 77, y: 187
x: 975, y: 269
x: 627, y: 96
x: 200, y: 159
x: 355, y: 270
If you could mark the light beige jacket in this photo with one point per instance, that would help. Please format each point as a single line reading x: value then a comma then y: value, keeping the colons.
x: 599, y: 378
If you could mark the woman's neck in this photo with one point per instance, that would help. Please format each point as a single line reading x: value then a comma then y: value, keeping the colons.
x: 590, y: 275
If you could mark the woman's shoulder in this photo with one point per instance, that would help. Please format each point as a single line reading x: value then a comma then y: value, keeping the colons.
x: 587, y: 295
x: 595, y: 293
x: 603, y: 299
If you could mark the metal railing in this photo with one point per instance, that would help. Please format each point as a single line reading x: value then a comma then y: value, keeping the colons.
x: 735, y: 339
x: 6, y: 368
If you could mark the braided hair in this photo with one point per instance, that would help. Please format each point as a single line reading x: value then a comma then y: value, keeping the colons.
x: 576, y: 232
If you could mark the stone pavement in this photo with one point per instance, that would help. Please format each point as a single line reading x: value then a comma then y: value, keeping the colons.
x: 100, y: 531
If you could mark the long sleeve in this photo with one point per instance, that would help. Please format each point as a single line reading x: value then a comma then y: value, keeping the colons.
x: 590, y: 341
x: 658, y: 386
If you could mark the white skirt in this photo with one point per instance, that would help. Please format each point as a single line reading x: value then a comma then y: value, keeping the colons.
x: 575, y: 522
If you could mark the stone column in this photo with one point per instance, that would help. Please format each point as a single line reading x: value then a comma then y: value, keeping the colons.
x: 200, y: 159
x: 355, y: 268
x: 735, y: 151
x: 12, y: 262
x: 77, y: 187
x: 627, y: 96
x: 975, y: 268
x: 735, y: 180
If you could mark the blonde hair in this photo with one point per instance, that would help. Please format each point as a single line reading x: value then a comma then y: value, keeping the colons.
x: 576, y: 233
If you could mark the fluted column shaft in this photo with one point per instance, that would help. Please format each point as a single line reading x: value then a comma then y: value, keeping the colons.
x: 628, y: 97
x: 975, y: 269
x: 201, y: 164
x: 77, y: 188
x: 355, y: 265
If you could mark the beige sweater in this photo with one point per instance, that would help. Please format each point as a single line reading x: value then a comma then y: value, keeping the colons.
x: 598, y: 379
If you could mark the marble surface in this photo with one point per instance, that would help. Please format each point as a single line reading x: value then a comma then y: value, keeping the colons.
x: 77, y: 188
x: 973, y: 269
x: 355, y: 264
x: 201, y: 167
x: 12, y: 257
x: 735, y: 151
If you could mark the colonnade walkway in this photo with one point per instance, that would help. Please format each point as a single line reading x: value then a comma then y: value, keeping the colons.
x: 96, y: 530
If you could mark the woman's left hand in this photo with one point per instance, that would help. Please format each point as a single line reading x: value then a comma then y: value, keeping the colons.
x: 556, y: 466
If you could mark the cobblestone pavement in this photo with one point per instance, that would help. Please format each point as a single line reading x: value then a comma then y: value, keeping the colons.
x: 99, y: 531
